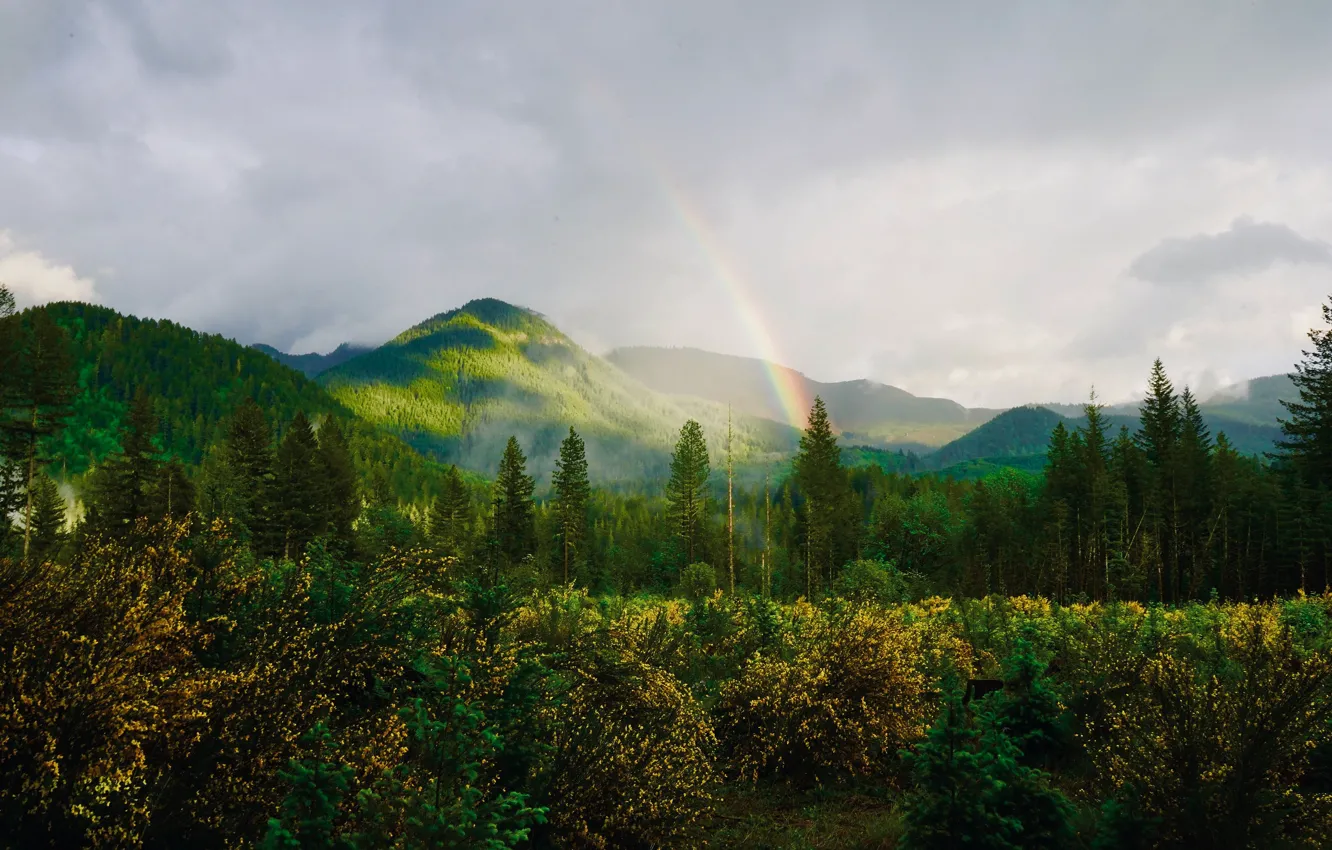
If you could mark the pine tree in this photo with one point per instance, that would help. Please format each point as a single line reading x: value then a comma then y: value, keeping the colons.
x: 1158, y: 437
x: 249, y: 454
x: 125, y: 484
x: 1194, y: 471
x: 48, y: 517
x: 514, y: 515
x: 342, y: 499
x: 827, y: 491
x: 39, y: 391
x: 571, y: 495
x: 1305, y: 450
x: 686, y: 492
x: 450, y: 514
x: 297, y: 498
x: 173, y: 495
x: 11, y: 469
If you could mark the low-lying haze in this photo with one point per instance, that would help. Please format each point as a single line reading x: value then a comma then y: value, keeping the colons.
x: 996, y: 203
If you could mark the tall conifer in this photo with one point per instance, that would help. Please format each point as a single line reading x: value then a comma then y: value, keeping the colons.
x: 342, y: 498
x: 686, y: 492
x: 514, y: 515
x: 125, y: 484
x: 1158, y: 437
x: 571, y: 495
x: 297, y: 494
x: 249, y: 454
x: 826, y: 488
x: 39, y: 391
x: 450, y: 514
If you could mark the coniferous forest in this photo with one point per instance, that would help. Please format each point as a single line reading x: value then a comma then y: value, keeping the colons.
x: 233, y: 613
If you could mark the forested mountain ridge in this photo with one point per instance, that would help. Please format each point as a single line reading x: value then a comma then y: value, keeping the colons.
x: 313, y: 364
x: 196, y: 382
x: 459, y: 384
x: 867, y: 412
x: 1024, y: 432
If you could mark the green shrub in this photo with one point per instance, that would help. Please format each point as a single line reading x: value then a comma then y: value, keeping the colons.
x: 698, y: 581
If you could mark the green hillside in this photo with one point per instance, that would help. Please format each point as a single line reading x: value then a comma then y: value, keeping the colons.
x: 1016, y: 435
x: 458, y: 384
x: 1257, y: 401
x: 865, y: 411
x: 196, y: 380
x: 311, y: 365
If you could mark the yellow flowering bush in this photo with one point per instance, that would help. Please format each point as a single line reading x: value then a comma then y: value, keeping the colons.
x: 847, y: 699
x: 633, y: 763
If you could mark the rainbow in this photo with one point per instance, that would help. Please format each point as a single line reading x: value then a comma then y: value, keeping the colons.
x: 788, y: 389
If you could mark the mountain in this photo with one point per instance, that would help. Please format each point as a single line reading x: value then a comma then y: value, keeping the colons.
x: 1257, y: 401
x: 864, y: 411
x: 196, y: 381
x: 457, y: 385
x: 311, y: 365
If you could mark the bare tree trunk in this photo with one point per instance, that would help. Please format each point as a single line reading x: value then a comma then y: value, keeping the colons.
x: 730, y: 504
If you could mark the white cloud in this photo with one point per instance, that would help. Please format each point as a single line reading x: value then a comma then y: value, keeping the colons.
x: 35, y: 279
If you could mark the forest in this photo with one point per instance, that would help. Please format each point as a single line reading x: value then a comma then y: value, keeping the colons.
x: 235, y: 615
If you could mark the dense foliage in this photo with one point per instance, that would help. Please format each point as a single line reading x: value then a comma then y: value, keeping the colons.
x: 266, y: 643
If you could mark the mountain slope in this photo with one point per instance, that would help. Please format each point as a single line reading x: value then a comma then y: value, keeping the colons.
x: 1257, y: 401
x: 866, y: 411
x: 457, y: 385
x: 311, y: 365
x: 196, y: 380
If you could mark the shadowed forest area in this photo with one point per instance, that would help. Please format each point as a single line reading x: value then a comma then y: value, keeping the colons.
x: 234, y: 615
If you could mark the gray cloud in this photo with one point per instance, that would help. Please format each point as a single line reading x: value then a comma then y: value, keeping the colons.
x: 1247, y: 247
x: 840, y: 178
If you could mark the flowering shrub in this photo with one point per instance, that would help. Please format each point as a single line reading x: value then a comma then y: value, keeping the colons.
x: 848, y: 698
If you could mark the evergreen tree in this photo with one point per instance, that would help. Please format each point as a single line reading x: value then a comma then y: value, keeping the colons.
x: 1158, y: 438
x: 342, y: 499
x: 173, y: 495
x: 125, y: 484
x: 318, y: 786
x: 1305, y: 450
x: 1194, y: 481
x: 686, y: 491
x: 450, y: 514
x: 11, y: 472
x: 827, y: 491
x: 514, y: 515
x: 973, y: 791
x: 297, y: 493
x: 249, y: 456
x: 48, y: 517
x: 37, y: 400
x: 571, y: 495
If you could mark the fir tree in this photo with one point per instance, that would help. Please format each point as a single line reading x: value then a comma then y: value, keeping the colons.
x: 450, y: 514
x: 297, y: 493
x: 686, y: 491
x: 48, y: 517
x: 571, y: 495
x: 1194, y: 482
x: 1158, y: 437
x: 821, y: 478
x: 173, y: 495
x: 318, y: 785
x: 125, y: 484
x: 39, y: 391
x: 514, y: 515
x: 342, y: 500
x: 1305, y: 450
x: 11, y: 470
x: 249, y: 454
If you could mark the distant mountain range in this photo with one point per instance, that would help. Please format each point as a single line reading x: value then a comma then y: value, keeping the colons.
x: 311, y: 365
x: 456, y: 385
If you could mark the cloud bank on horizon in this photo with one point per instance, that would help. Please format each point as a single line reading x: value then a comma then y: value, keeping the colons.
x: 998, y: 203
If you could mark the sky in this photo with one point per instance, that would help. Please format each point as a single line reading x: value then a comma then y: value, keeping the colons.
x: 999, y: 203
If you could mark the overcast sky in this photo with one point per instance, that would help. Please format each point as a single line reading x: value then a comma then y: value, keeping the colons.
x: 995, y: 202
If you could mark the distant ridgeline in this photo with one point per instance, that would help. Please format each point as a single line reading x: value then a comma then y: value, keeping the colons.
x: 453, y: 388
